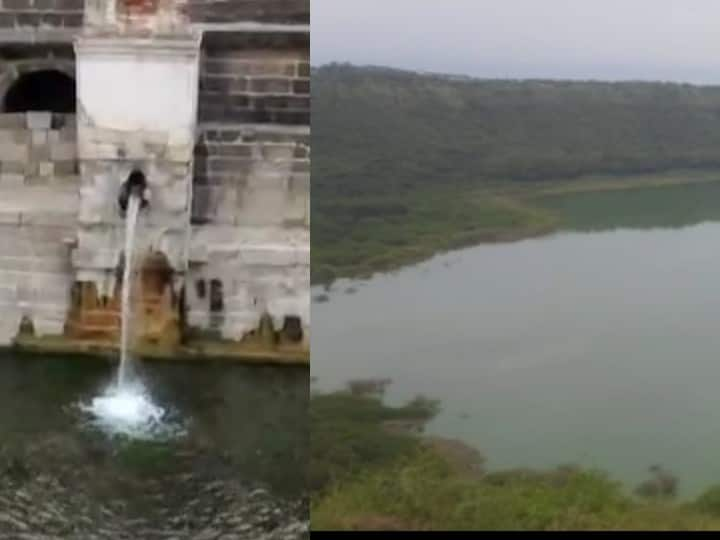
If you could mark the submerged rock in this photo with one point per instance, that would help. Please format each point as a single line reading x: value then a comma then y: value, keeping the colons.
x: 185, y: 506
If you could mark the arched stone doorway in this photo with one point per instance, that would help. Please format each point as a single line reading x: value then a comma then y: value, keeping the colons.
x: 42, y: 90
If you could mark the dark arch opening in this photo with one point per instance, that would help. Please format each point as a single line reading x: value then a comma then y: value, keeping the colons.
x: 292, y: 328
x: 45, y: 90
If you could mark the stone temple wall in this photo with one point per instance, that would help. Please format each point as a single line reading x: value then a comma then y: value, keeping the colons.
x: 251, y: 190
x: 37, y: 149
x: 37, y: 230
x: 38, y: 217
x: 268, y: 11
x: 34, y: 270
x: 33, y: 14
x: 251, y: 79
x: 252, y: 228
x: 248, y: 247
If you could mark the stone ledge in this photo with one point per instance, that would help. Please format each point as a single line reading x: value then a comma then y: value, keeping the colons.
x: 198, y: 351
x: 48, y: 218
x: 250, y: 129
x: 251, y: 27
x: 38, y: 35
x: 173, y: 46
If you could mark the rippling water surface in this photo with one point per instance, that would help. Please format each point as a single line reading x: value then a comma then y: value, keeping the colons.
x: 220, y: 449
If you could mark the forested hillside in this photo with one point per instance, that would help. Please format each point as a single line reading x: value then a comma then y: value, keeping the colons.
x: 382, y: 136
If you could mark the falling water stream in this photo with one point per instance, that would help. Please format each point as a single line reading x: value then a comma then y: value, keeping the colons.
x: 130, y: 224
x: 126, y: 407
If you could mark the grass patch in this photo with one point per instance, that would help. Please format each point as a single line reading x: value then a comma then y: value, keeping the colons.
x: 348, y: 435
x: 354, y: 238
x: 367, y: 477
x: 357, y: 239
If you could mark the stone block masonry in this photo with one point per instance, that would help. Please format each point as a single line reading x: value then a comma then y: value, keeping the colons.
x: 252, y: 176
x: 251, y: 210
x: 251, y: 187
x: 224, y: 241
x: 34, y: 261
x: 267, y: 11
x: 259, y: 270
x: 37, y: 148
x: 41, y: 13
x: 256, y: 79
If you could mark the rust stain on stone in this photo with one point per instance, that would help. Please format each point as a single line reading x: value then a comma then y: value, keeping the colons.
x: 141, y: 7
x: 156, y: 311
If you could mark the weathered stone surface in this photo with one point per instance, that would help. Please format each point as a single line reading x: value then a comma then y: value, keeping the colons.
x: 9, y: 217
x: 39, y: 120
x: 33, y: 269
x: 39, y: 153
x: 46, y: 168
x: 275, y: 11
x: 63, y: 151
x: 12, y: 167
x: 241, y: 83
x: 98, y: 258
x: 66, y: 171
x: 39, y: 137
x: 31, y: 154
x: 48, y: 218
x: 14, y: 152
x: 254, y: 181
x: 12, y: 180
x: 254, y: 265
x: 301, y: 86
x: 14, y: 136
x: 12, y: 121
x: 269, y: 254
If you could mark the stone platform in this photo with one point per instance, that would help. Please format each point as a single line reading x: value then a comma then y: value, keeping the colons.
x: 196, y: 350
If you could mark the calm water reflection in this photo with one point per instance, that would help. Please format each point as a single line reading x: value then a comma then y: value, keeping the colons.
x: 600, y: 348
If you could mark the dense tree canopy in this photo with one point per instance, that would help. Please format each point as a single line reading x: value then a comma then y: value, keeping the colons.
x: 386, y: 141
x: 378, y: 130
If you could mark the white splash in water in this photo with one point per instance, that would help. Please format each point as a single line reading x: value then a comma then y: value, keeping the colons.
x: 129, y: 410
x: 126, y: 407
x: 133, y: 208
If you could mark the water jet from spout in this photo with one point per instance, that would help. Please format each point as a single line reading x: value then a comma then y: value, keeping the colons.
x: 126, y: 407
x: 130, y: 224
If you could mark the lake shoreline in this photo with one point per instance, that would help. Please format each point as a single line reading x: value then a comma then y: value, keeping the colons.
x: 530, y: 220
x: 596, y: 318
x: 379, y: 491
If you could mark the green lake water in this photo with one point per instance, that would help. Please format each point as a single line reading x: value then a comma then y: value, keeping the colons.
x: 597, y: 345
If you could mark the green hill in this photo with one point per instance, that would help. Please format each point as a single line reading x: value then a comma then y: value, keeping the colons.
x: 388, y: 142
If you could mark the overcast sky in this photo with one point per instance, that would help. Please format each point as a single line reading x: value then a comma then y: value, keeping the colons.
x: 670, y: 40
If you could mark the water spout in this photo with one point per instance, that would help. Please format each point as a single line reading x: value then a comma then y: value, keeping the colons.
x: 130, y: 224
x: 134, y: 186
x: 126, y: 406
